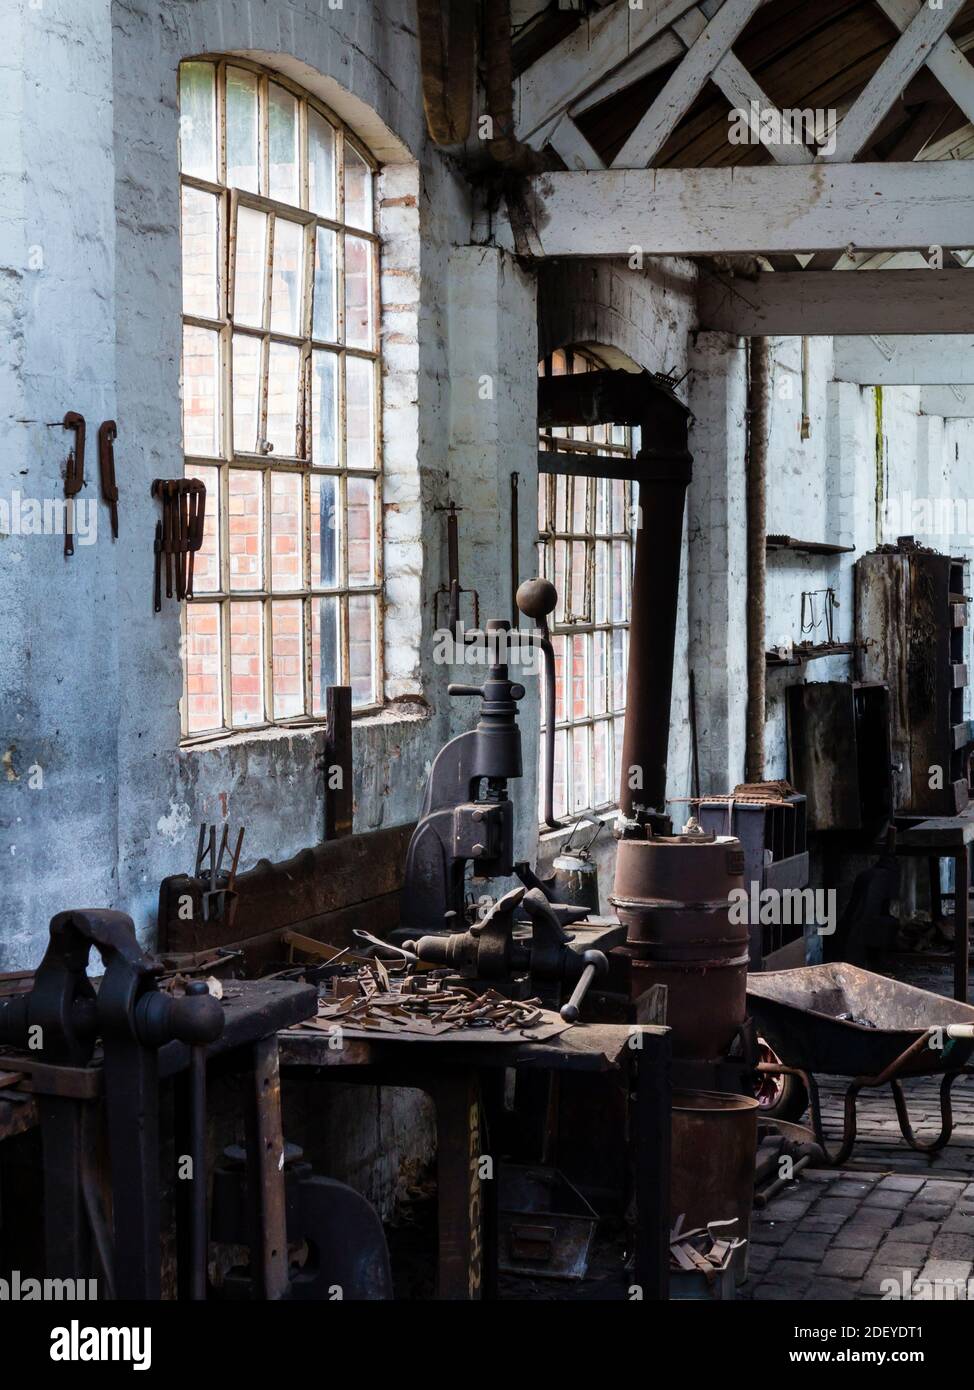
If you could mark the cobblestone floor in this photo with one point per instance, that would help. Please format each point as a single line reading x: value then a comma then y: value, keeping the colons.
x: 890, y: 1214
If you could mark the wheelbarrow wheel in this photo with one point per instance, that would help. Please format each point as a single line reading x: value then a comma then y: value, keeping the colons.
x: 780, y: 1097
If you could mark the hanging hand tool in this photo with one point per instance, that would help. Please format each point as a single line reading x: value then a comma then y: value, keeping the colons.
x: 181, y: 534
x: 219, y: 899
x: 74, y: 474
x: 107, y: 434
x: 454, y: 589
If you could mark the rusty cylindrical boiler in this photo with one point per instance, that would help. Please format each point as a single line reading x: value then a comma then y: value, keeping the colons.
x: 672, y: 893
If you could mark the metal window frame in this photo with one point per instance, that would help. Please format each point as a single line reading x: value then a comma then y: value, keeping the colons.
x: 229, y: 201
x: 568, y: 627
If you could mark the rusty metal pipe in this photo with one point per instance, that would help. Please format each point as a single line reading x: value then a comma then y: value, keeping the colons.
x: 652, y: 638
x: 759, y: 414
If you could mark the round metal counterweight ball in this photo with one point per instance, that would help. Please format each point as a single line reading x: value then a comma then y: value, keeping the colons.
x: 537, y: 598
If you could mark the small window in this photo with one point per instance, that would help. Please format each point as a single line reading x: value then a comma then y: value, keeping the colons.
x: 585, y: 543
x: 280, y: 391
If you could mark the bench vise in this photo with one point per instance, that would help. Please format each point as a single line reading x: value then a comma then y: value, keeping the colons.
x: 490, y: 950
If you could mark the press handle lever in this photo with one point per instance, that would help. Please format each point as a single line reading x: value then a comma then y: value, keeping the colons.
x: 595, y: 964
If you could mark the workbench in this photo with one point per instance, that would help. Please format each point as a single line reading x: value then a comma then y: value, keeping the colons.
x: 946, y: 837
x: 253, y: 1012
x: 466, y: 1083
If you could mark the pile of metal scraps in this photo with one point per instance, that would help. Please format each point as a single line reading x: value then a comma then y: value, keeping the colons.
x: 377, y: 1002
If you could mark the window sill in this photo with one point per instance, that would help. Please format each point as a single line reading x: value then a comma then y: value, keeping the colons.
x: 548, y: 837
x: 397, y: 713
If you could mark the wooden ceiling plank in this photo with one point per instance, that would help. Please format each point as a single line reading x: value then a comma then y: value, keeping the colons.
x: 563, y: 74
x: 919, y: 132
x: 572, y: 148
x: 657, y: 125
x: 904, y: 60
x: 945, y: 61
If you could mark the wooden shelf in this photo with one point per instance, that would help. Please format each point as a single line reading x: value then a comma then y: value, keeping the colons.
x: 807, y: 547
x: 809, y: 652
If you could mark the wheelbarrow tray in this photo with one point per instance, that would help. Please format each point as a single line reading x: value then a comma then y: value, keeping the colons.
x: 797, y: 1012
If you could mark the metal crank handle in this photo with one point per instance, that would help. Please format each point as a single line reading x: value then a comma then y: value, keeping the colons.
x: 595, y: 964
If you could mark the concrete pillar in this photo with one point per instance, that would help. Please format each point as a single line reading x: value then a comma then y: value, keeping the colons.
x: 716, y: 525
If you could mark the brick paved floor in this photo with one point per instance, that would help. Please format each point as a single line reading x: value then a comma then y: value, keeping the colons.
x: 891, y: 1213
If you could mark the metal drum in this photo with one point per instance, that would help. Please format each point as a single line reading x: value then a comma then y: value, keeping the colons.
x: 714, y: 1143
x: 672, y: 895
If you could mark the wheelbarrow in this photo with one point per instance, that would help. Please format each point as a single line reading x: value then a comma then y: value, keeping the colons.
x: 842, y: 1021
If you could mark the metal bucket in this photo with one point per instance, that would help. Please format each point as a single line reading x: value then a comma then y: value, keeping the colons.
x: 714, y: 1145
x: 672, y: 895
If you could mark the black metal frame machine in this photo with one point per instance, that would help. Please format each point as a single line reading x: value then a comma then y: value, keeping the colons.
x: 467, y: 822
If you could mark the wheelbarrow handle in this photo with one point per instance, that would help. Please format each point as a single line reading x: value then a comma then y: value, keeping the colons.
x: 960, y: 1030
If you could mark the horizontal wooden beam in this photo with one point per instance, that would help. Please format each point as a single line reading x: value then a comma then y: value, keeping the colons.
x: 917, y: 360
x: 952, y: 402
x: 750, y: 210
x: 838, y: 301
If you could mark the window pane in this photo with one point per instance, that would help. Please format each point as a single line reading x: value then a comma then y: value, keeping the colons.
x: 603, y: 561
x: 245, y: 528
x: 581, y: 763
x: 560, y: 798
x: 284, y: 373
x: 600, y: 673
x: 361, y: 649
x: 620, y: 521
x: 358, y: 292
x: 620, y: 653
x: 287, y: 644
x: 602, y: 509
x: 621, y: 581
x: 359, y: 413
x: 250, y: 266
x: 559, y: 579
x: 358, y: 190
x: 579, y: 708
x: 246, y: 664
x: 325, y: 658
x: 286, y: 568
x: 203, y: 667
x: 580, y: 504
x: 559, y: 644
x: 324, y: 531
x: 361, y: 531
x: 242, y: 160
x: 201, y: 398
x: 561, y: 502
x: 603, y: 791
x: 206, y: 564
x: 197, y: 125
x: 324, y: 409
x: 282, y: 119
x: 199, y: 239
x: 321, y: 165
x: 324, y: 325
x: 246, y: 393
x: 578, y: 604
x: 287, y: 287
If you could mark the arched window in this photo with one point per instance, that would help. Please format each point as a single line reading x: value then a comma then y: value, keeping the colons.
x: 280, y: 391
x: 585, y: 545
